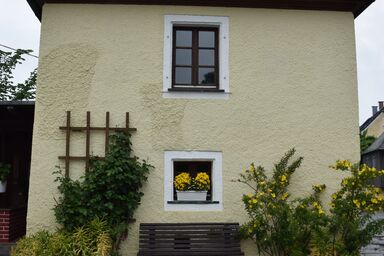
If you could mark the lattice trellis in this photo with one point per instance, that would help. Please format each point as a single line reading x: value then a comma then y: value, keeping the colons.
x: 88, y: 129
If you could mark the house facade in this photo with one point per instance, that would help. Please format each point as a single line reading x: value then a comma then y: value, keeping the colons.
x: 211, y: 86
x: 374, y: 126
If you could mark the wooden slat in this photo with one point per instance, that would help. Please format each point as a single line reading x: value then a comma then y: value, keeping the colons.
x: 82, y: 128
x: 189, y: 239
x: 67, y: 143
x: 87, y: 141
x: 106, y: 132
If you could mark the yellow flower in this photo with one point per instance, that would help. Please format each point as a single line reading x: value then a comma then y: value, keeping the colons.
x: 284, y: 196
x: 283, y: 178
x: 182, y: 181
x: 273, y: 195
x: 374, y: 200
x: 357, y: 203
x: 254, y: 201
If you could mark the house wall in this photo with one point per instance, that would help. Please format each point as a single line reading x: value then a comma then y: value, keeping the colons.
x: 291, y: 75
x: 376, y: 128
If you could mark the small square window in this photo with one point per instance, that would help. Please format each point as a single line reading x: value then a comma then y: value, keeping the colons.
x: 193, y: 162
x: 193, y: 168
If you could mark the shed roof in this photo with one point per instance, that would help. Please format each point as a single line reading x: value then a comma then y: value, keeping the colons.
x: 354, y: 6
x: 378, y: 144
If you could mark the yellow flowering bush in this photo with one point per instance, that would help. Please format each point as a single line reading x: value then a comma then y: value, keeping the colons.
x: 280, y: 226
x: 184, y: 182
x: 285, y: 226
x: 351, y: 221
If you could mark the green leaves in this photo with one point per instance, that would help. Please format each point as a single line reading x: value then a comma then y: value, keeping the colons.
x: 110, y: 190
x: 4, y: 171
x: 8, y: 89
x: 92, y: 239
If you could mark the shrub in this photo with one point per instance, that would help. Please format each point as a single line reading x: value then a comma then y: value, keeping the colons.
x: 110, y: 190
x: 4, y: 171
x: 300, y: 226
x: 352, y: 224
x: 92, y: 239
x: 277, y: 225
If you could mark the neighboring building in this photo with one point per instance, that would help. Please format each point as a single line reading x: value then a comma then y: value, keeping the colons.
x: 375, y: 124
x: 16, y: 122
x: 215, y: 86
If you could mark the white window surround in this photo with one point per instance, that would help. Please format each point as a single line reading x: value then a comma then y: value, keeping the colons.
x: 223, y: 24
x: 216, y: 179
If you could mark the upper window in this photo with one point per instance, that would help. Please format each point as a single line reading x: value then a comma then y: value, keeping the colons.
x: 196, y: 57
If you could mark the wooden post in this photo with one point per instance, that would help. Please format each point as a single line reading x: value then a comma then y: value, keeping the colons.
x: 106, y: 132
x: 87, y: 141
x: 67, y: 143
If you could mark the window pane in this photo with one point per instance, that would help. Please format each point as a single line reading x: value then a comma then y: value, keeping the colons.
x: 183, y: 56
x: 206, y: 39
x: 207, y: 57
x: 206, y: 75
x: 183, y: 38
x: 183, y: 76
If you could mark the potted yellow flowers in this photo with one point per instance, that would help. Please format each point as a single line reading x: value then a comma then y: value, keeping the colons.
x: 192, y: 189
x: 4, y: 172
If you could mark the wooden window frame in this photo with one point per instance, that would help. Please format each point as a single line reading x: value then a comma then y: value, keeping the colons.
x: 195, y: 86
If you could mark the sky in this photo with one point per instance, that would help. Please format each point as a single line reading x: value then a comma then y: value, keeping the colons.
x: 19, y: 28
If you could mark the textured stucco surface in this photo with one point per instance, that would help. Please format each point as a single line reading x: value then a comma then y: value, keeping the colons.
x: 292, y: 83
x: 376, y: 128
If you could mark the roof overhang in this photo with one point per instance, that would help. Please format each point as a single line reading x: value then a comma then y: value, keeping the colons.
x: 354, y: 6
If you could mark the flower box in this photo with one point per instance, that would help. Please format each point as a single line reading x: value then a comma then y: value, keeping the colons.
x: 191, y: 195
x: 3, y: 186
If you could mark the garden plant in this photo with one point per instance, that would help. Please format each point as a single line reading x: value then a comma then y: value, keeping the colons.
x: 284, y: 226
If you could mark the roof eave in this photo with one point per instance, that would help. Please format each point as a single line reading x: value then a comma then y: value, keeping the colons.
x: 354, y: 6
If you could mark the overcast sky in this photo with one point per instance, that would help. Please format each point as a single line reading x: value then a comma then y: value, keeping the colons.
x: 19, y: 28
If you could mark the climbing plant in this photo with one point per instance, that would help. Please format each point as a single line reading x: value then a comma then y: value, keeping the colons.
x: 111, y: 190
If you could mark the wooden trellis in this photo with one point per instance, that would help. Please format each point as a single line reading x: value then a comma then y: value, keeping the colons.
x: 88, y: 129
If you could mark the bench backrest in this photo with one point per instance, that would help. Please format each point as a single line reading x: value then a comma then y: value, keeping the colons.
x: 189, y: 238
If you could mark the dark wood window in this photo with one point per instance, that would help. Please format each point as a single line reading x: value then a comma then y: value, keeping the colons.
x: 195, y: 61
x: 193, y: 167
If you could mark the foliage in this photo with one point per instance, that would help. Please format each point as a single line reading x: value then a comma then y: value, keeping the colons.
x: 8, y: 89
x: 184, y: 182
x: 92, y: 239
x: 300, y: 226
x: 365, y: 141
x: 110, y: 190
x: 4, y: 171
x: 279, y: 226
x: 351, y: 224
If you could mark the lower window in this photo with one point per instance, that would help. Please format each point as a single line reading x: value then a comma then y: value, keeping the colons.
x: 192, y: 181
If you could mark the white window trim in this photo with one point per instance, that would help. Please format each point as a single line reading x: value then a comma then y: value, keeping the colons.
x: 216, y: 179
x: 223, y: 24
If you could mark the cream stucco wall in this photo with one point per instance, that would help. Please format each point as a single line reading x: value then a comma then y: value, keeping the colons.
x: 291, y: 74
x: 376, y: 128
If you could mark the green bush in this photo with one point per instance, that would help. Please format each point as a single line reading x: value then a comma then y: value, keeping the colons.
x: 92, y: 239
x: 278, y: 226
x: 4, y: 171
x: 351, y: 225
x: 281, y: 226
x: 110, y: 190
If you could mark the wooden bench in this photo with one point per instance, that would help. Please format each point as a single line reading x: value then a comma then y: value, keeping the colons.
x: 200, y: 239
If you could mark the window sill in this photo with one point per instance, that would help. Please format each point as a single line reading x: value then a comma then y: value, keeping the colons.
x: 188, y: 89
x: 193, y: 202
x: 181, y: 93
